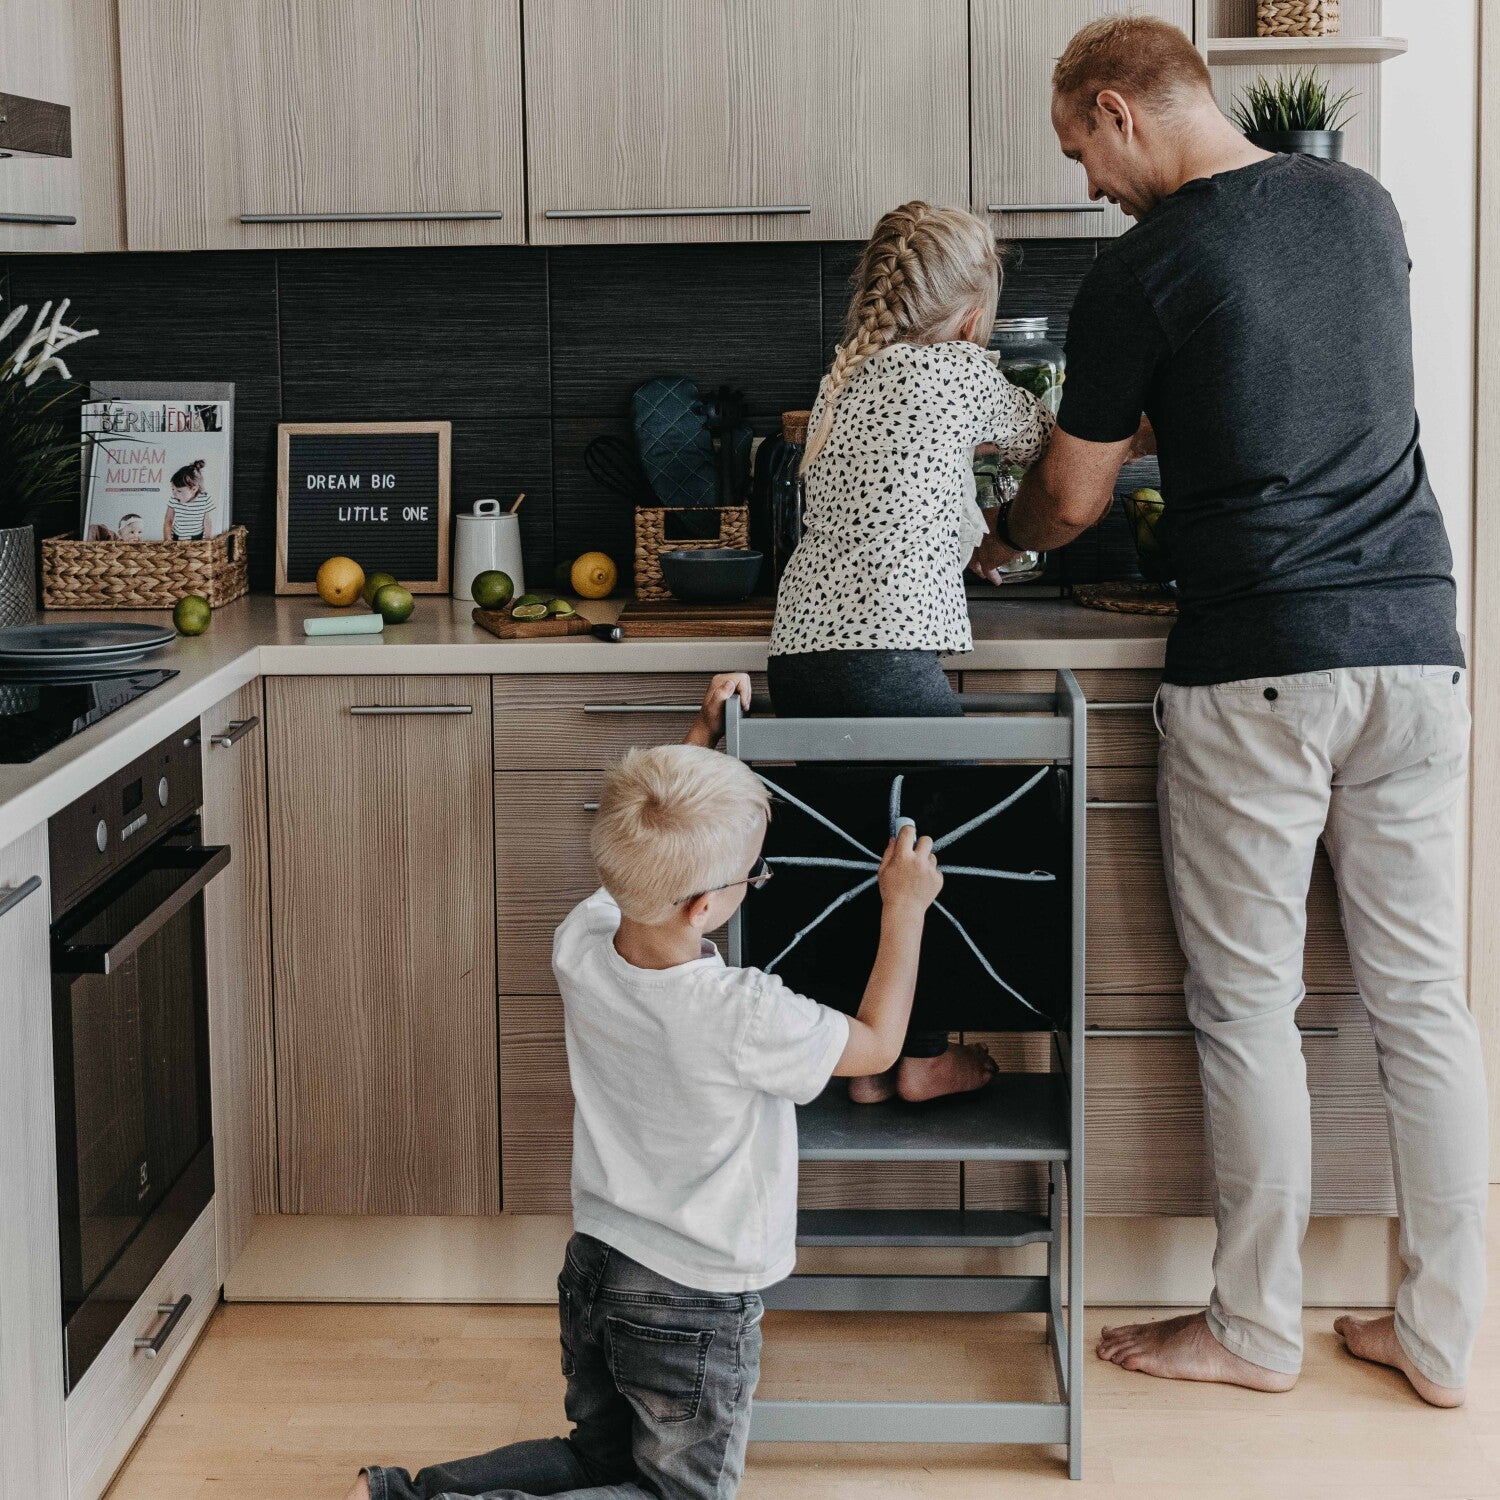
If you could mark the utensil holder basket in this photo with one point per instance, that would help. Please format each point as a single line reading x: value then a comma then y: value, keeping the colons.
x: 651, y: 541
x: 1297, y: 17
x: 143, y: 575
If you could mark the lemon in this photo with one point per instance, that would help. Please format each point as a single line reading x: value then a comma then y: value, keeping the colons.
x: 537, y: 611
x: 373, y: 585
x: 192, y: 615
x: 492, y: 588
x: 393, y: 603
x: 561, y: 608
x: 562, y: 574
x: 594, y: 575
x: 339, y: 581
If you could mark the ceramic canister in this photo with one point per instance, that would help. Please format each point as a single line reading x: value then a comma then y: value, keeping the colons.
x: 488, y: 538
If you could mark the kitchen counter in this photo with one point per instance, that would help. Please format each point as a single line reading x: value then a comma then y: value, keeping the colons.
x: 262, y: 636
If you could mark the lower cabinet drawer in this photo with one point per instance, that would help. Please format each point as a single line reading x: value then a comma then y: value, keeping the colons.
x: 107, y: 1409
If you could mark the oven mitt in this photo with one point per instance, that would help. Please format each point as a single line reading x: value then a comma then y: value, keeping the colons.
x: 676, y: 446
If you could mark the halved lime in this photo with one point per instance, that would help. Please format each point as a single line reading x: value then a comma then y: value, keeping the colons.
x: 537, y: 611
x: 561, y: 608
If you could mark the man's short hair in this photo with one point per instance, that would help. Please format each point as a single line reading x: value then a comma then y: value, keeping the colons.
x: 1143, y: 57
x: 675, y: 821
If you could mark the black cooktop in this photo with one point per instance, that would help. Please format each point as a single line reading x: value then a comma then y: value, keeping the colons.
x: 38, y: 713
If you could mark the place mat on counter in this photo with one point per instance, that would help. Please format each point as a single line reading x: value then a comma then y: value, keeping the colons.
x: 1130, y: 597
x: 669, y: 619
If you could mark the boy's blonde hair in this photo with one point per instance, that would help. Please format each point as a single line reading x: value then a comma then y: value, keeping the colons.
x: 921, y: 268
x: 675, y: 821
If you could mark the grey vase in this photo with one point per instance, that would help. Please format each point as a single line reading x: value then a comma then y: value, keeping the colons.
x: 17, y: 575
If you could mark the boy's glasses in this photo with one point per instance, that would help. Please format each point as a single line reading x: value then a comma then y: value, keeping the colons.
x: 760, y: 873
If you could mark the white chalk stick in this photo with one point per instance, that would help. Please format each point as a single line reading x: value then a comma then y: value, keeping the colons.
x: 371, y: 624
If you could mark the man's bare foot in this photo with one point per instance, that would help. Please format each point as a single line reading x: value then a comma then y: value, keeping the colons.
x: 874, y: 1088
x: 1375, y: 1339
x: 959, y: 1070
x: 1184, y: 1349
x: 361, y: 1490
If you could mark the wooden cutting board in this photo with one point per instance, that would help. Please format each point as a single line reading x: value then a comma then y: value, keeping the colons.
x: 670, y: 619
x: 498, y: 622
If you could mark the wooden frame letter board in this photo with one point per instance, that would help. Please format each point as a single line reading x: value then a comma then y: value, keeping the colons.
x: 373, y: 491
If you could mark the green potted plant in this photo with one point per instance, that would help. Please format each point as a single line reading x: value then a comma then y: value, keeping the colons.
x: 39, y: 444
x: 1297, y: 114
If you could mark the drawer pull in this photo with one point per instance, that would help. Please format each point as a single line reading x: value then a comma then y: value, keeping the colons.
x: 1120, y: 708
x: 591, y: 807
x: 413, y: 217
x: 393, y: 710
x: 1045, y: 208
x: 640, y: 708
x: 12, y: 896
x: 44, y: 220
x: 234, y: 733
x: 1148, y: 1032
x: 1121, y: 806
x: 736, y: 211
x: 153, y: 1346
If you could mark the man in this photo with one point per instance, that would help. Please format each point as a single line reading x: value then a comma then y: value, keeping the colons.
x: 1258, y: 314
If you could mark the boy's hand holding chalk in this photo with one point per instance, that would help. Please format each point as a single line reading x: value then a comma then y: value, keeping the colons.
x: 909, y: 874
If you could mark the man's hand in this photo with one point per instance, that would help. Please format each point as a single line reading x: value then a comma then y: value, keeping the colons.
x: 909, y: 876
x: 709, y: 724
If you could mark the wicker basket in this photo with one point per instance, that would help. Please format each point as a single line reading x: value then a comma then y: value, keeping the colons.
x: 143, y: 575
x: 651, y: 541
x: 1297, y: 17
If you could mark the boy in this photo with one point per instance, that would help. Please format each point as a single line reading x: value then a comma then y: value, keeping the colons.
x: 685, y: 1075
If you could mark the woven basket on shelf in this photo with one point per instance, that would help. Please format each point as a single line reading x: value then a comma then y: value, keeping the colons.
x: 143, y: 575
x: 651, y: 541
x: 1297, y: 17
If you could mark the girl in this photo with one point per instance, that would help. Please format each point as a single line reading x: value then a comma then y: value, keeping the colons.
x: 190, y: 514
x: 874, y: 593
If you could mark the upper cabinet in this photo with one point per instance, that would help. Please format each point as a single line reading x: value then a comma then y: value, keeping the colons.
x: 1022, y: 182
x: 300, y: 123
x: 740, y: 119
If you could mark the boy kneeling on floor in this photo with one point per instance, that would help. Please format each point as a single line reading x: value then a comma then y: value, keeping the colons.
x: 685, y: 1076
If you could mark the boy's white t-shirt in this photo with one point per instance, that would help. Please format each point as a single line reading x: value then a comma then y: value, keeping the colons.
x: 684, y: 1087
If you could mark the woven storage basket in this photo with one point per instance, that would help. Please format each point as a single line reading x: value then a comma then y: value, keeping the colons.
x: 1297, y: 17
x: 651, y: 541
x: 143, y: 575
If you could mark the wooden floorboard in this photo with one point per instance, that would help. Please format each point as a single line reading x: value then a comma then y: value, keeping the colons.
x: 288, y: 1400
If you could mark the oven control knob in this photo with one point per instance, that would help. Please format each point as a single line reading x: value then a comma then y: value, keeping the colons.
x: 101, y: 835
x: 161, y: 791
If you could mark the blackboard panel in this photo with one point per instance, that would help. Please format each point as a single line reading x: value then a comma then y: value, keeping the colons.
x: 1021, y: 928
x: 375, y: 492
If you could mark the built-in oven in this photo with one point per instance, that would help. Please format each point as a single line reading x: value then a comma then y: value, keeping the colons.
x: 130, y: 1037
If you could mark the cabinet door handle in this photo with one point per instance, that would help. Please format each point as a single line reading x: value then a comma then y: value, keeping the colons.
x: 640, y: 708
x: 1121, y: 806
x: 153, y: 1346
x: 1120, y: 708
x: 591, y: 807
x: 737, y: 211
x: 236, y: 731
x: 42, y: 219
x: 1045, y: 208
x: 1140, y: 1033
x: 393, y: 710
x: 399, y: 217
x: 11, y: 896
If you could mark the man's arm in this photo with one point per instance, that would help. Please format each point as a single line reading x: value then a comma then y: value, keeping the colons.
x: 1067, y: 492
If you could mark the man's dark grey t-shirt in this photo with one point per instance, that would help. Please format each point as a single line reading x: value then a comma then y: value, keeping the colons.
x: 1261, y: 318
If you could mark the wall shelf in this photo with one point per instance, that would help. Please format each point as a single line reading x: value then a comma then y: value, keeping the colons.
x: 1225, y: 50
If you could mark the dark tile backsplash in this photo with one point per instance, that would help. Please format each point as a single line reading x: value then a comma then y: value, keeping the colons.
x: 529, y: 352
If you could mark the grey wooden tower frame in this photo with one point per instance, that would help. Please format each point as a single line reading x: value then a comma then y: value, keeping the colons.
x: 1034, y: 1117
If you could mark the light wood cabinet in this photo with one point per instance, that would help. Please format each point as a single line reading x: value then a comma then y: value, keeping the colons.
x: 32, y: 1434
x: 1017, y: 167
x: 382, y: 853
x: 237, y: 922
x: 740, y: 119
x: 296, y: 123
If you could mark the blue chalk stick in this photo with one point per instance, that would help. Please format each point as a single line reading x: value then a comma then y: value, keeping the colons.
x: 371, y: 624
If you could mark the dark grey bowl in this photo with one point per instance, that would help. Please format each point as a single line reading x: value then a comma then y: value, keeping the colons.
x: 718, y: 574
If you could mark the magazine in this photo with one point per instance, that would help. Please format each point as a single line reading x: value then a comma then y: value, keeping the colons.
x: 156, y: 470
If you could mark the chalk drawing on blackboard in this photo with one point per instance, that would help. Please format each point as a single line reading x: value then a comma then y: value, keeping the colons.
x: 1016, y: 947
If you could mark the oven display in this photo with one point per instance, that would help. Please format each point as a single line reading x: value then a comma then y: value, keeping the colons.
x: 131, y: 796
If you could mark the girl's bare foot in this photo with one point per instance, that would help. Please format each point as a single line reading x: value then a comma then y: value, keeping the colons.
x: 1184, y: 1349
x: 874, y: 1088
x: 1375, y: 1339
x: 959, y: 1070
x: 361, y: 1490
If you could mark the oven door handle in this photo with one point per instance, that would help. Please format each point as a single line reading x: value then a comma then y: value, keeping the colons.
x: 201, y: 862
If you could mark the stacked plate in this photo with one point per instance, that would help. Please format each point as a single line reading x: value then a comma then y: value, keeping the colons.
x: 78, y: 650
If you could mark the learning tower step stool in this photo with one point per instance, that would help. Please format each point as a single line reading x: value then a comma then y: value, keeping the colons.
x: 1034, y: 1117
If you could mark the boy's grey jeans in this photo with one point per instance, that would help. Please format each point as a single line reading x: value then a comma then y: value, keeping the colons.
x: 1372, y: 760
x: 660, y: 1378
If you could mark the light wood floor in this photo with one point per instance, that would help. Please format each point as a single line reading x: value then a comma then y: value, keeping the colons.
x: 285, y: 1401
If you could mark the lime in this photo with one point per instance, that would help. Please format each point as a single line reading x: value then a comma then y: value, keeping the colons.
x: 492, y: 588
x: 1148, y: 497
x: 531, y: 599
x: 561, y: 608
x: 562, y: 574
x: 393, y: 603
x: 537, y: 611
x: 374, y: 582
x: 192, y: 614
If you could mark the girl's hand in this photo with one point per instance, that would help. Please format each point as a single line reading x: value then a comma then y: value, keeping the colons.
x: 709, y: 724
